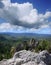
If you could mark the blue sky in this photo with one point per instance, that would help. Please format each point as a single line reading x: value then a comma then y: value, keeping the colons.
x: 41, y: 5
x: 25, y: 16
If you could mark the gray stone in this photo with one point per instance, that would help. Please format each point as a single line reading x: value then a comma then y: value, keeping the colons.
x: 28, y: 58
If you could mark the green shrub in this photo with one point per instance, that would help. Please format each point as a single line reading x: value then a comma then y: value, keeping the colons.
x: 43, y: 45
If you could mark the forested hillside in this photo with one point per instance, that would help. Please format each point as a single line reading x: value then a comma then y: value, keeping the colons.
x: 9, y: 45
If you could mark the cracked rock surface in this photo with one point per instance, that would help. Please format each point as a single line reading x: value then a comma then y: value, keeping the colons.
x: 28, y: 58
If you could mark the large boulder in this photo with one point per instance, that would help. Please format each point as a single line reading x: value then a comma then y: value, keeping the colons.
x: 28, y: 58
x: 32, y: 56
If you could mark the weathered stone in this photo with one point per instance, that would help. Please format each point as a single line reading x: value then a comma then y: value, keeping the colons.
x: 28, y: 58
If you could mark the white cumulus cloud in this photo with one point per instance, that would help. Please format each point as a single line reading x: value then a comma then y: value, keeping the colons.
x: 22, y: 17
x: 23, y: 14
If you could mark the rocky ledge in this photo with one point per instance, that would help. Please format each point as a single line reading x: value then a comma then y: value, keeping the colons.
x: 28, y: 58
